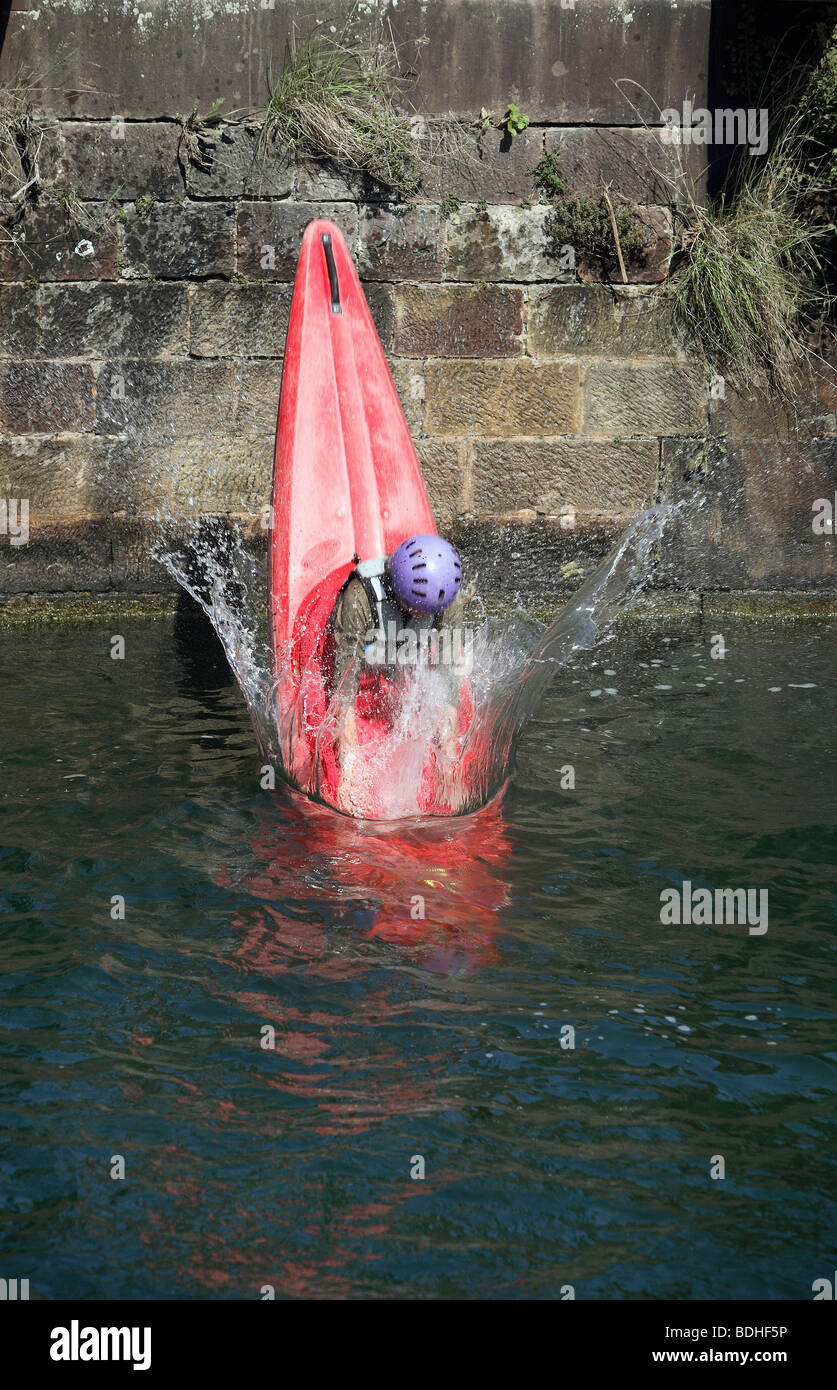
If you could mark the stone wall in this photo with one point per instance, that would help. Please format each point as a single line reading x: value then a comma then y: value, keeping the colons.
x: 143, y: 316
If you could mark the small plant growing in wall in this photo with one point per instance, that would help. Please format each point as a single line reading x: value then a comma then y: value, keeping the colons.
x: 547, y: 177
x: 196, y: 133
x: 144, y: 204
x: 75, y: 211
x: 712, y: 452
x: 603, y: 229
x: 449, y: 205
x: 571, y: 569
x: 513, y: 122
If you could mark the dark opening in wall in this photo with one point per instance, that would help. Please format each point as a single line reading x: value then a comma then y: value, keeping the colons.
x: 759, y: 53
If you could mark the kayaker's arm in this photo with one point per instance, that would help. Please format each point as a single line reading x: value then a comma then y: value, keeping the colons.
x: 452, y: 616
x: 352, y: 622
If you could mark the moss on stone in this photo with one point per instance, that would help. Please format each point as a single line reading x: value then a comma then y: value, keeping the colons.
x: 41, y: 610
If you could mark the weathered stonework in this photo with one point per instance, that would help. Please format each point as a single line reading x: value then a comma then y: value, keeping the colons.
x: 180, y: 242
x: 268, y: 235
x: 401, y: 244
x: 562, y: 63
x: 632, y: 160
x: 597, y: 321
x: 144, y: 299
x: 641, y: 398
x: 46, y: 397
x: 551, y: 475
x: 501, y: 243
x: 239, y: 320
x: 458, y: 321
x: 48, y: 246
x: 142, y: 162
x: 755, y: 524
x: 502, y: 399
x: 114, y: 320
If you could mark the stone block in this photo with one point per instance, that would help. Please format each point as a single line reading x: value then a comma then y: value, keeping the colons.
x: 166, y: 400
x: 401, y: 243
x: 115, y: 320
x: 269, y: 235
x: 143, y: 163
x: 644, y: 398
x: 556, y: 62
x: 502, y: 399
x: 381, y: 301
x: 458, y: 321
x: 240, y: 165
x: 409, y: 383
x: 60, y: 557
x: 485, y: 166
x: 501, y: 243
x: 219, y: 474
x: 756, y: 412
x: 492, y: 554
x: 548, y: 475
x: 46, y: 397
x: 257, y: 387
x: 635, y: 161
x: 180, y: 241
x: 650, y: 265
x: 321, y: 181
x: 598, y: 321
x: 753, y: 529
x: 239, y: 320
x: 47, y: 246
x: 76, y: 476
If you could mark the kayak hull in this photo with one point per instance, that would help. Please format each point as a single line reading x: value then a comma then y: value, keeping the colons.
x: 347, y: 486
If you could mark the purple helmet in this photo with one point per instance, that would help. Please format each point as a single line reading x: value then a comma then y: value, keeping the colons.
x: 426, y: 573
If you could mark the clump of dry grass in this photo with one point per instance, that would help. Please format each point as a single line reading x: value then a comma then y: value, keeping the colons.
x: 22, y: 134
x: 750, y: 272
x: 21, y: 139
x: 338, y: 99
x: 749, y: 281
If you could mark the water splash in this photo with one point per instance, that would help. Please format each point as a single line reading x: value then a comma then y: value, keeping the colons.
x: 420, y: 765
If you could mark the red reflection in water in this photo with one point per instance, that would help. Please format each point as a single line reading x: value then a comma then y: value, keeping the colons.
x: 435, y: 887
x: 337, y: 1070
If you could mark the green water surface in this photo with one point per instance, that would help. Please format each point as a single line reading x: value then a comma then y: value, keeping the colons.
x: 399, y: 1042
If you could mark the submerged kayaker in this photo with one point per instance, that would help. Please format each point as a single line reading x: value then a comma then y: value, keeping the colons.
x: 393, y: 613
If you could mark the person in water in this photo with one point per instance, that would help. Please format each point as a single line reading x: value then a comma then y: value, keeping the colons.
x: 390, y: 614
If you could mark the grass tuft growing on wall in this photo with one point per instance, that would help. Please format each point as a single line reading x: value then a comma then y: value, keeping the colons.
x: 749, y: 275
x: 21, y: 139
x: 337, y: 99
x: 753, y: 280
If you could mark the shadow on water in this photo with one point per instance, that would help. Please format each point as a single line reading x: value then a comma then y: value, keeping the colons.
x: 202, y: 658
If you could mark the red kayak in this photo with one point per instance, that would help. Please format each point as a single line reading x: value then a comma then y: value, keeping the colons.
x: 346, y: 487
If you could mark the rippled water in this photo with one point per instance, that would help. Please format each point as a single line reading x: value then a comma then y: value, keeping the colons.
x: 395, y: 1036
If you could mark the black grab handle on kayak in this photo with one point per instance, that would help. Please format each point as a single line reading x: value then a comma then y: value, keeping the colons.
x: 334, y: 283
